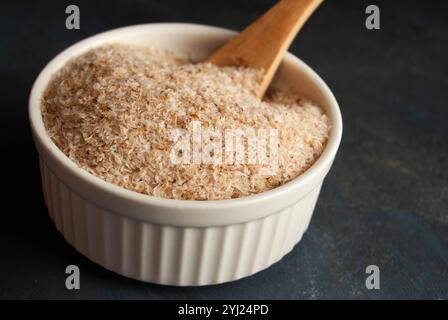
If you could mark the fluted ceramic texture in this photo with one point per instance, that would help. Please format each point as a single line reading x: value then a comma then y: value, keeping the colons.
x: 174, y: 255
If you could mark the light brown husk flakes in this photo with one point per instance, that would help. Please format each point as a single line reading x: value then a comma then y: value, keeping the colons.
x: 111, y: 111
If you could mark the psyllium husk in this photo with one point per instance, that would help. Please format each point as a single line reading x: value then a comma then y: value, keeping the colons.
x: 156, y: 123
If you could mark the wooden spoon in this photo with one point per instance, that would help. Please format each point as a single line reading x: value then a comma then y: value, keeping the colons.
x: 263, y: 43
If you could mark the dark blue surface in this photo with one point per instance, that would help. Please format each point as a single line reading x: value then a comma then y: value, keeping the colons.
x: 385, y: 201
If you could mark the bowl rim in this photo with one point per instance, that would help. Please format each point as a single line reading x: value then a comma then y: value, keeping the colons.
x: 42, y: 138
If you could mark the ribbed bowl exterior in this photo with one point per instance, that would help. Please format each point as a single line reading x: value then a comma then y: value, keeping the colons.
x: 172, y: 255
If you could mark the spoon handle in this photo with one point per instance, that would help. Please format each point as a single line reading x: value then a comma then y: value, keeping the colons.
x: 263, y: 43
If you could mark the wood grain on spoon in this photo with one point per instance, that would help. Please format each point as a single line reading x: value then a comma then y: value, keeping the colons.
x: 263, y: 43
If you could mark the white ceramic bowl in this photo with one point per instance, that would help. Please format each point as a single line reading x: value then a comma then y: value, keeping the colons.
x: 179, y: 242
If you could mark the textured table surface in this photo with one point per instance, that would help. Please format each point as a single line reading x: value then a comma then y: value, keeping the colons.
x: 385, y: 202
